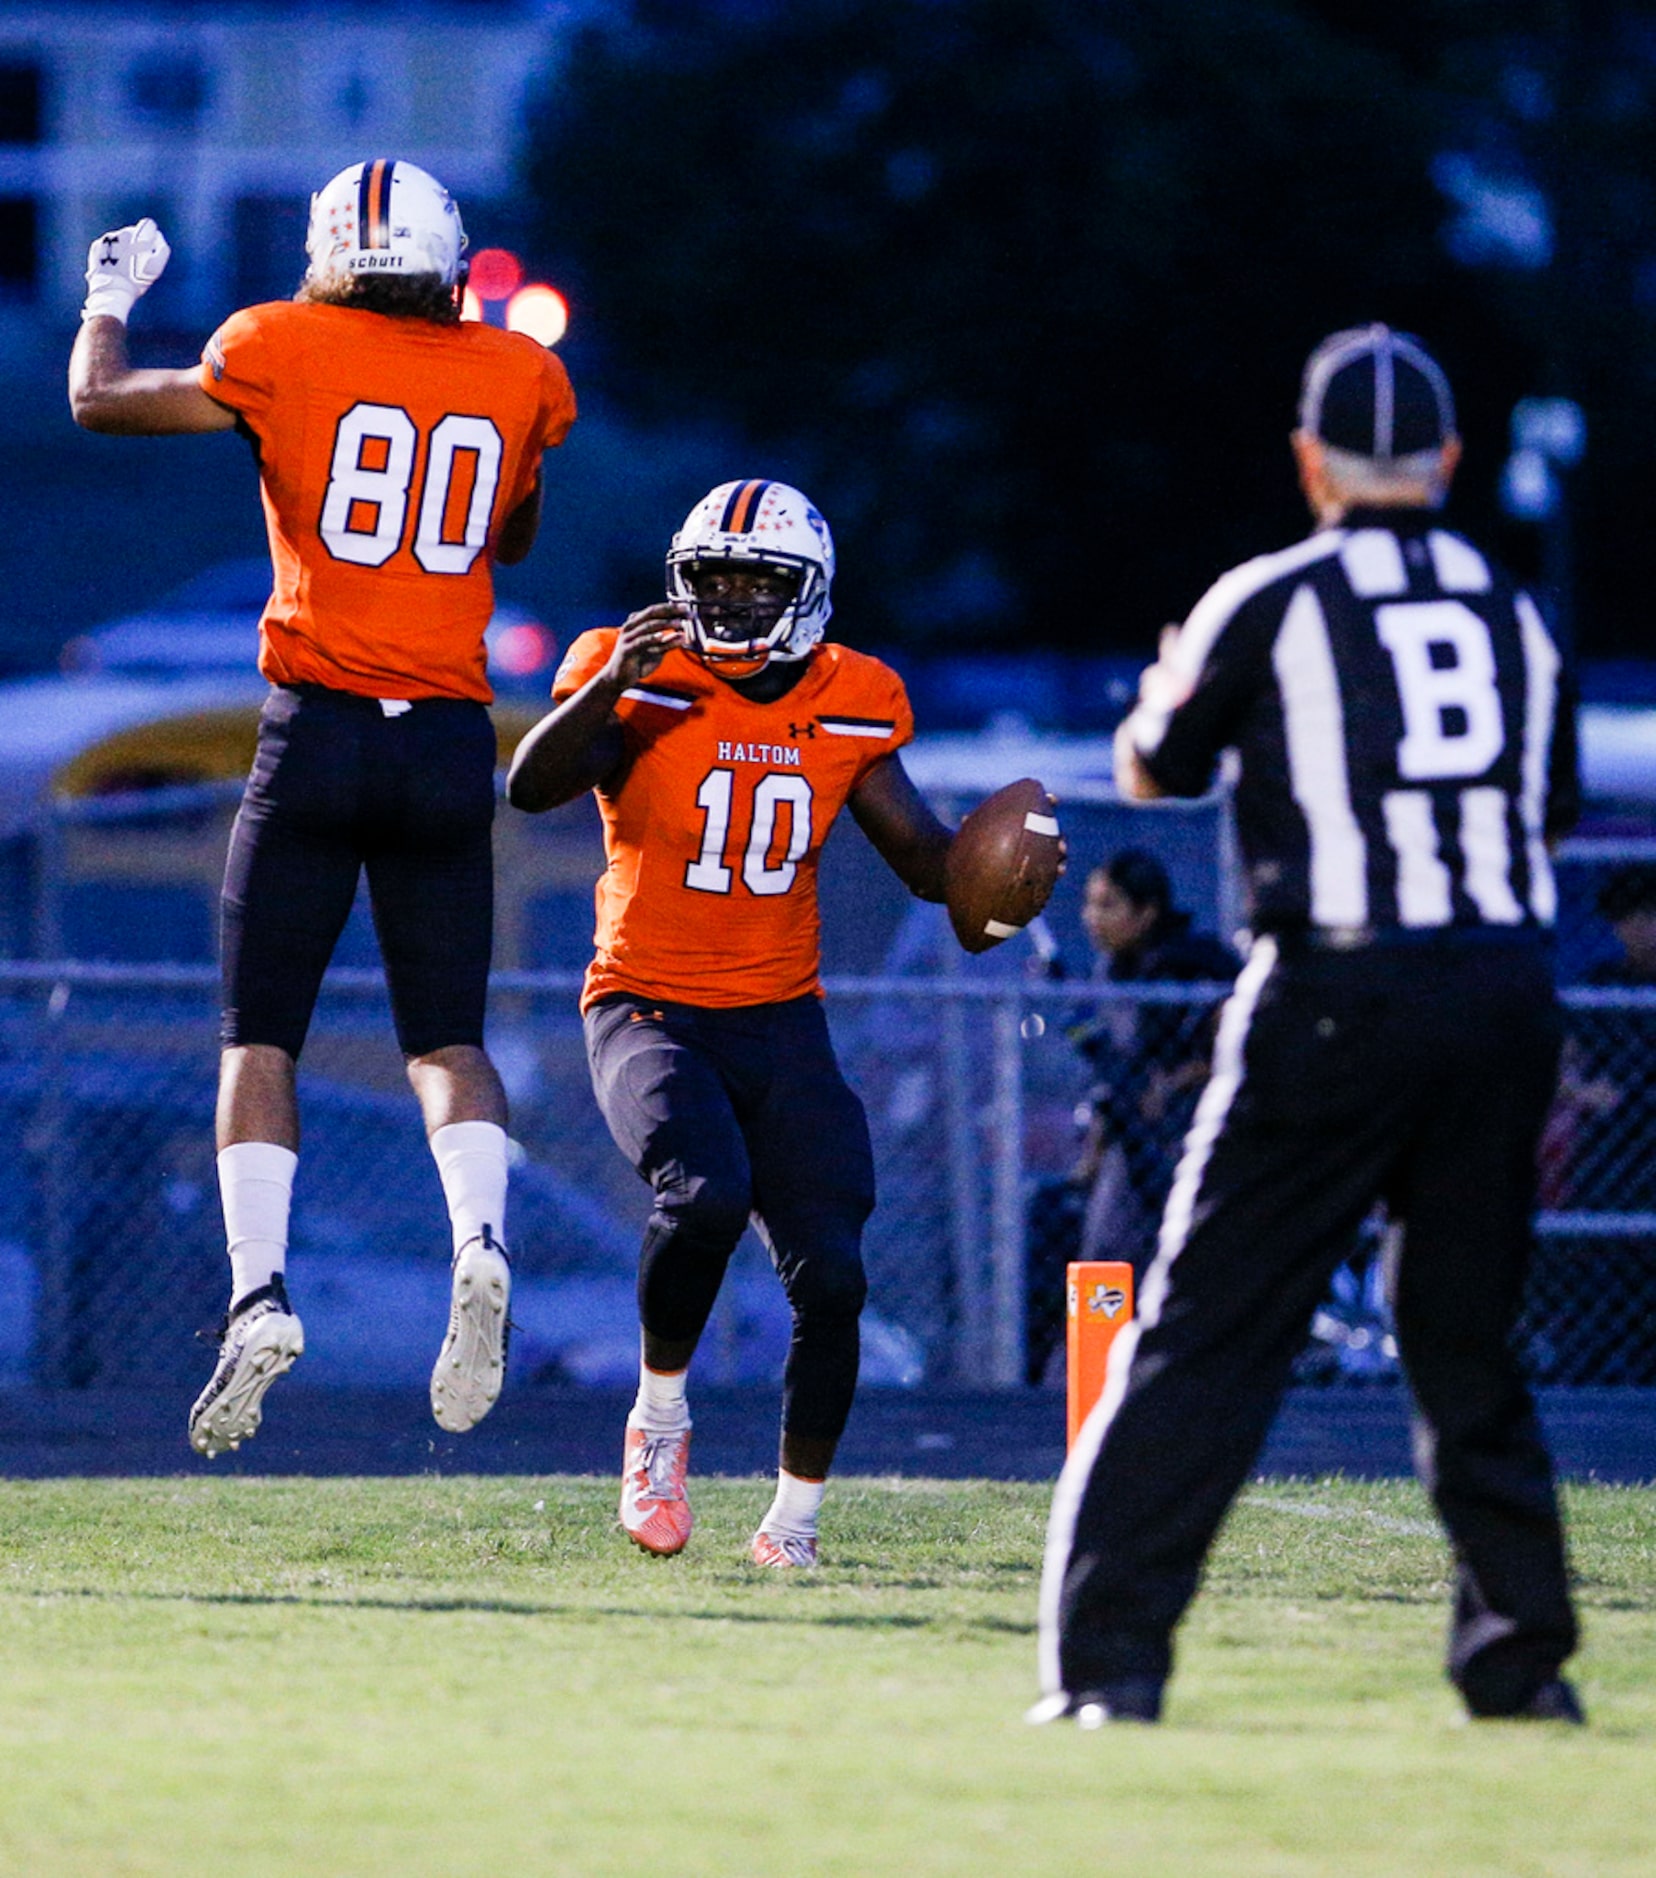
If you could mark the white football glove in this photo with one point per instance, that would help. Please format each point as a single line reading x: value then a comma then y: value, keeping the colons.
x: 122, y: 265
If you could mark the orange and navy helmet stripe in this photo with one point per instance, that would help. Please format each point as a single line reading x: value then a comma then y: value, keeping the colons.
x: 742, y: 507
x: 374, y: 203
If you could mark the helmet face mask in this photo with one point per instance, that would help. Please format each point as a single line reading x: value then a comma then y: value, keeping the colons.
x: 385, y: 217
x: 738, y: 606
x: 752, y: 525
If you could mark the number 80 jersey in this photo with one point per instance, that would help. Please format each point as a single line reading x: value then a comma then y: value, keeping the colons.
x: 714, y: 827
x: 390, y: 451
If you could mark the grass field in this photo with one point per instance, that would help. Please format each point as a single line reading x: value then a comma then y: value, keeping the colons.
x: 464, y: 1675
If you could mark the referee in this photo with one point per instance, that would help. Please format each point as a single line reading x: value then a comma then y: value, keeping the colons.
x: 1406, y: 751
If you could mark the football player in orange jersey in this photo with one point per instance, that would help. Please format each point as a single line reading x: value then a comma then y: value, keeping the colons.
x: 399, y: 457
x: 723, y: 737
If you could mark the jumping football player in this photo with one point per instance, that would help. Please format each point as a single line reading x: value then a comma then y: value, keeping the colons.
x: 399, y: 456
x: 723, y: 737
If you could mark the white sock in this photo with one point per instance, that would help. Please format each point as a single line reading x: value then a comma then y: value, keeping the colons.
x: 471, y: 1161
x: 256, y: 1191
x: 795, y: 1508
x: 662, y: 1405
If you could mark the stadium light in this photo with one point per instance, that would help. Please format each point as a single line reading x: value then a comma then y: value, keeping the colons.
x: 539, y: 311
x: 494, y: 274
x: 522, y: 649
x: 497, y: 293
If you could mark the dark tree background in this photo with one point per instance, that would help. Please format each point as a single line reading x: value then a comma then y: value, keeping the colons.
x: 1020, y: 289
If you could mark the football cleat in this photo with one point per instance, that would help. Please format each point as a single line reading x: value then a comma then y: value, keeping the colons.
x: 259, y: 1340
x: 655, y: 1510
x: 755, y: 524
x: 385, y: 217
x: 784, y: 1551
x: 470, y: 1367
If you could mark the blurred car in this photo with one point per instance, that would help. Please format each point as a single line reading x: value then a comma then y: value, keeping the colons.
x: 209, y: 626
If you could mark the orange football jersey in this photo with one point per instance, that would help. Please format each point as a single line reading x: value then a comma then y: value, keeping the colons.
x: 390, y: 451
x: 714, y: 832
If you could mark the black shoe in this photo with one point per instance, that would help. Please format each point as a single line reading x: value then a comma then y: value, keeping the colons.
x: 1133, y: 1699
x: 1555, y: 1701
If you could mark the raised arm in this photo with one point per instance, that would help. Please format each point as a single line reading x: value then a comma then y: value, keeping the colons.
x: 105, y: 392
x: 1162, y: 689
x: 896, y: 818
x: 578, y: 743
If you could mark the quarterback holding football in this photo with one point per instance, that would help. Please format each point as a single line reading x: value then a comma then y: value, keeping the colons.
x: 723, y: 735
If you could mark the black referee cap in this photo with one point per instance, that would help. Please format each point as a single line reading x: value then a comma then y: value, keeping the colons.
x: 1377, y: 394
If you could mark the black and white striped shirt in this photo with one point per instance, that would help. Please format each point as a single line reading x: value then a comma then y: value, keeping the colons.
x: 1403, y: 721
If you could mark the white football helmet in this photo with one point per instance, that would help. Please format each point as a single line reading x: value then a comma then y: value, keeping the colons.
x: 385, y: 217
x: 764, y: 524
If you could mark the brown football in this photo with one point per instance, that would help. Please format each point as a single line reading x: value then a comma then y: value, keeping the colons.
x: 1003, y: 864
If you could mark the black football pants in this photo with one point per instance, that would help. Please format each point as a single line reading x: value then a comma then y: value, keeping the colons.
x: 341, y: 787
x: 1419, y: 1075
x: 732, y: 1113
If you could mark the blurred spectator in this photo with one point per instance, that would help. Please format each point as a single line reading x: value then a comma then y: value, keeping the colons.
x: 1148, y: 1061
x: 1627, y: 903
x: 1595, y: 1151
x: 1147, y: 1064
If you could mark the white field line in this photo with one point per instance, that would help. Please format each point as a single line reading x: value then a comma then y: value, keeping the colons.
x: 1342, y: 1515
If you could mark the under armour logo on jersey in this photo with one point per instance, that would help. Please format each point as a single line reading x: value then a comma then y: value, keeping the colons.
x: 796, y: 731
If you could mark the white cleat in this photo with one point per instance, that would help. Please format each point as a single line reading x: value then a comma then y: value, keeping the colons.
x: 260, y: 1340
x: 465, y: 1384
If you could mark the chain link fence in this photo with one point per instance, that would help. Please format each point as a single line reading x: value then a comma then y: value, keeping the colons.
x: 982, y: 1107
x: 111, y: 1248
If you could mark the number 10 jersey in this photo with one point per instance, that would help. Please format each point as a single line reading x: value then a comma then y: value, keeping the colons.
x: 390, y: 451
x: 715, y: 823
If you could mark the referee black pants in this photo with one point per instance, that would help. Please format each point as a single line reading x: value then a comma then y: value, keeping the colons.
x: 1419, y: 1075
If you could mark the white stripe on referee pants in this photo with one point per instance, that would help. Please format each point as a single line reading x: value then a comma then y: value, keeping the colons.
x: 1211, y: 1110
